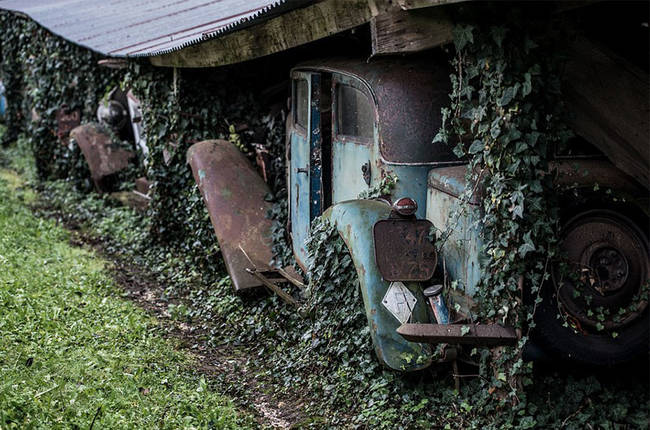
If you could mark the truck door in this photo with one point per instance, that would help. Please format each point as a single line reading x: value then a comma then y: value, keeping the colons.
x: 352, y: 140
x: 309, y: 155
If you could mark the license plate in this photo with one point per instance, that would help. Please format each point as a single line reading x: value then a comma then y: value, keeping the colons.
x: 403, y: 251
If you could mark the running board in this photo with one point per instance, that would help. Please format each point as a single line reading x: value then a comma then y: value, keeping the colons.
x: 459, y: 334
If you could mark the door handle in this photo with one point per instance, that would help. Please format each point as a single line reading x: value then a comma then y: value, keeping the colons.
x: 365, y: 171
x: 302, y: 170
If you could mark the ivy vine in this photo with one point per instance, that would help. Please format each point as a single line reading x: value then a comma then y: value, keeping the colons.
x: 506, y: 112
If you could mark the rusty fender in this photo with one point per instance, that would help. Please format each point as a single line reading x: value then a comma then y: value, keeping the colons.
x: 234, y: 193
x: 103, y: 157
x: 354, y: 221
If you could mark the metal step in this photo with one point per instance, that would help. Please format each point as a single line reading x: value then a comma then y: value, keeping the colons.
x: 459, y: 334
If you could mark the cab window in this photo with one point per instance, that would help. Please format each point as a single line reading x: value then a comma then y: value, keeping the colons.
x: 301, y: 103
x: 355, y: 116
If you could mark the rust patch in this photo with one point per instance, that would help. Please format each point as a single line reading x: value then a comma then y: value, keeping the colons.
x: 103, y: 157
x: 234, y: 194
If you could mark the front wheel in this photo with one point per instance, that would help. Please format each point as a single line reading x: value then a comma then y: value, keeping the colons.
x: 594, y: 310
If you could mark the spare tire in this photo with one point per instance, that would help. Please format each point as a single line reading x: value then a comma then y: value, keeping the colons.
x: 594, y: 309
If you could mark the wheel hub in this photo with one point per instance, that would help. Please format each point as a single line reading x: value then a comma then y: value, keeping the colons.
x: 608, y: 271
x: 611, y: 269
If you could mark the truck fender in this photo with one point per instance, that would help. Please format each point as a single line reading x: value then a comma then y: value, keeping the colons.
x: 234, y: 194
x: 354, y: 221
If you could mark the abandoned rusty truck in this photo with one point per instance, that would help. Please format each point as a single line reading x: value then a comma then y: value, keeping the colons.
x: 352, y: 125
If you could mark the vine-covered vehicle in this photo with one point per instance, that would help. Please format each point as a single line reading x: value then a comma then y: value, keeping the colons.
x: 3, y: 101
x: 119, y: 117
x: 361, y: 153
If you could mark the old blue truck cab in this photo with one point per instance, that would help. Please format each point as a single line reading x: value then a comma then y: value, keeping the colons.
x: 356, y: 126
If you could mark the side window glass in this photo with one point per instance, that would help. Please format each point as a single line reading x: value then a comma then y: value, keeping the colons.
x: 301, y: 102
x: 355, y: 112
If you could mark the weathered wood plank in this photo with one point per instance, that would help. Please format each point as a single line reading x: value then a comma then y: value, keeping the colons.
x: 286, y: 31
x: 418, y: 4
x: 608, y: 99
x: 401, y: 31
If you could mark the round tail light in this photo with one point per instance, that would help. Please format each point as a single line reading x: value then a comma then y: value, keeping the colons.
x: 405, y: 206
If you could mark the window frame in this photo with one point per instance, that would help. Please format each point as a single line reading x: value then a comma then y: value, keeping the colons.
x: 295, y: 78
x: 338, y: 80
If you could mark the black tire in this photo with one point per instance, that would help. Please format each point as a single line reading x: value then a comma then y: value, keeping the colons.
x: 622, y: 342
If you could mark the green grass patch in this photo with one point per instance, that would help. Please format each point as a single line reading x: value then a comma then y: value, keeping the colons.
x: 72, y: 350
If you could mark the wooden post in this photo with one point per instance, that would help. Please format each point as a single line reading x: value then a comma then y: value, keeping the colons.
x: 400, y: 31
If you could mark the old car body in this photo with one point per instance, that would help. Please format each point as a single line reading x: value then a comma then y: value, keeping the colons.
x: 119, y: 115
x: 355, y: 125
x: 3, y: 101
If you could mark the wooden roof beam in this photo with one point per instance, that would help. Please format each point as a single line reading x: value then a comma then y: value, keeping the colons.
x: 402, y: 31
x: 283, y: 32
x: 418, y: 4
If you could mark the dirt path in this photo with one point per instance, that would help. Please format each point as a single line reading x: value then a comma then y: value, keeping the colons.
x: 228, y: 367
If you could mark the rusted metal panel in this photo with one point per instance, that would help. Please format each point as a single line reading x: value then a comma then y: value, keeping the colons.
x: 234, y: 194
x: 403, y: 250
x: 104, y: 158
x: 452, y: 181
x: 66, y: 120
x: 460, y: 334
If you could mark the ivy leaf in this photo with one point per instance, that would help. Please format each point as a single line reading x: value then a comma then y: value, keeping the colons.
x: 520, y: 147
x: 518, y: 211
x: 498, y: 34
x: 527, y: 86
x: 508, y: 94
x: 536, y: 186
x: 476, y: 146
x: 462, y: 36
x: 459, y: 151
x: 527, y: 246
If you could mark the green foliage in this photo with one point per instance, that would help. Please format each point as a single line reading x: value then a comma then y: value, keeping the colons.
x: 506, y: 111
x: 383, y: 188
x: 42, y: 73
x: 73, y: 351
x: 14, y: 33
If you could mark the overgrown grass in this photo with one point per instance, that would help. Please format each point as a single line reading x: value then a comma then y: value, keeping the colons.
x: 73, y: 351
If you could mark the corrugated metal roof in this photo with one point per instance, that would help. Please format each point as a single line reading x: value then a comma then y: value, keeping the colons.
x: 121, y: 28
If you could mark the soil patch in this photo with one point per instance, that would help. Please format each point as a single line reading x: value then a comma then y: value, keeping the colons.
x: 227, y: 367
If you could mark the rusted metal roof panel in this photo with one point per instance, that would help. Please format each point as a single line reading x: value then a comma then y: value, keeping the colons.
x: 121, y: 28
